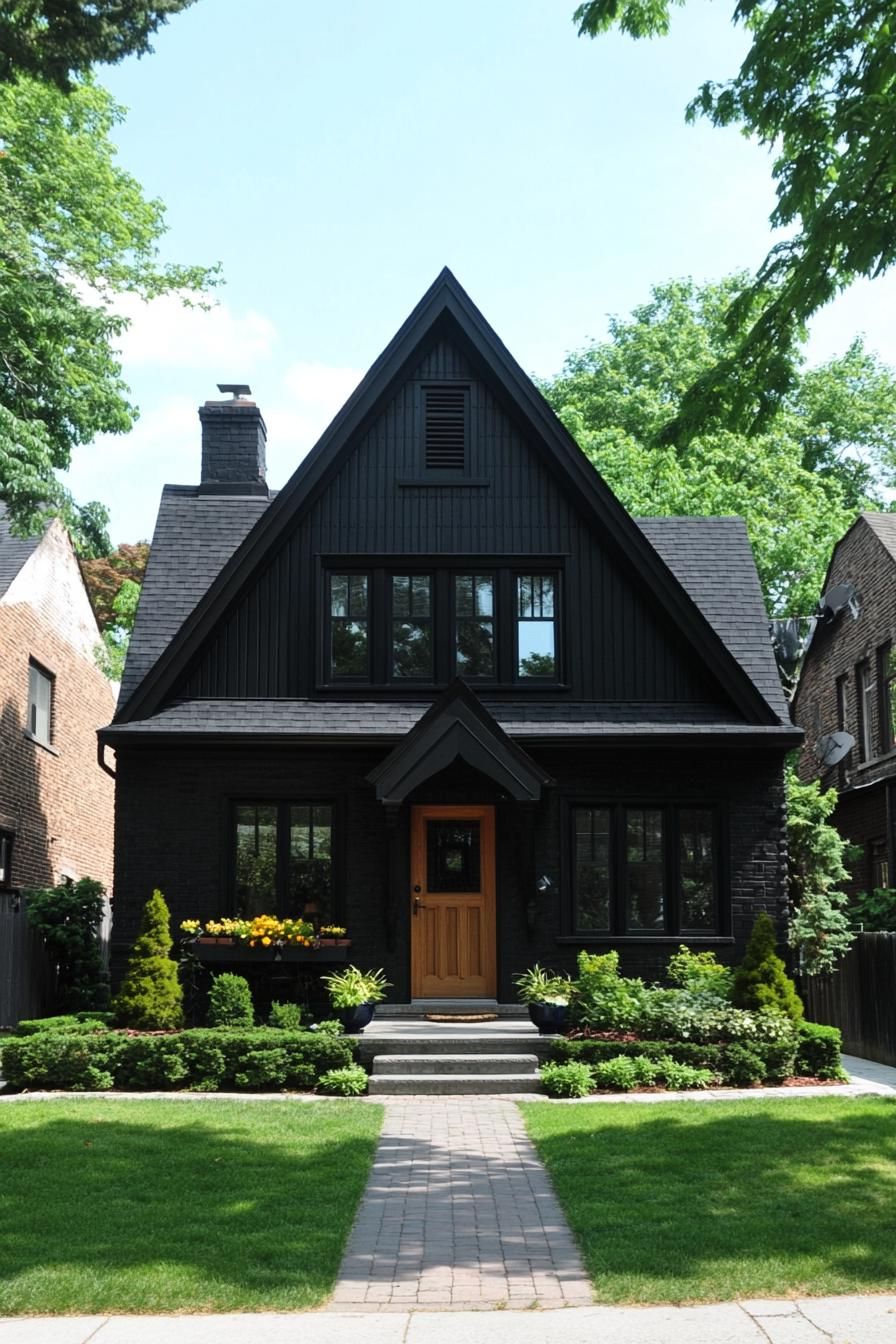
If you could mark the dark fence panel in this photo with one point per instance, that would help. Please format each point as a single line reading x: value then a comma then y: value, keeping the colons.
x: 26, y: 976
x: 860, y: 997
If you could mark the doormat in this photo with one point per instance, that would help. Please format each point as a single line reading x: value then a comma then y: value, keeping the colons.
x: 461, y: 1017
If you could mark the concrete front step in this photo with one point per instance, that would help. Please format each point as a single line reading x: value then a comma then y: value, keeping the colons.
x: 454, y: 1007
x: 372, y: 1046
x: 453, y: 1064
x: 451, y: 1084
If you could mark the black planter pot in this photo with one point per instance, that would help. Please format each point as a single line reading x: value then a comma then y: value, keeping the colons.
x: 549, y: 1018
x: 355, y: 1019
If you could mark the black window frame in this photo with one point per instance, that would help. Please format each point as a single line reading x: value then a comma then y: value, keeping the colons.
x: 282, y: 908
x: 865, y: 698
x: 539, y: 572
x: 443, y: 570
x: 350, y: 572
x: 673, y: 925
x: 50, y: 678
x: 7, y: 851
x: 410, y: 571
x: 886, y: 698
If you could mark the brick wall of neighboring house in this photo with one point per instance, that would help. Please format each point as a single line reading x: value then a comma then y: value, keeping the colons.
x: 56, y: 800
x: 836, y: 652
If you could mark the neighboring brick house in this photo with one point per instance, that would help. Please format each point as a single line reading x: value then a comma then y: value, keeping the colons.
x: 848, y: 683
x: 444, y: 689
x: 56, y: 803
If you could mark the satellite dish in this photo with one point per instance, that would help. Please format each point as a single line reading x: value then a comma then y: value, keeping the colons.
x: 837, y: 599
x: 831, y: 748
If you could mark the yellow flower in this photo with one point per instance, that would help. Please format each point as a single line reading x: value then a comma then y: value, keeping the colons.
x: 265, y: 942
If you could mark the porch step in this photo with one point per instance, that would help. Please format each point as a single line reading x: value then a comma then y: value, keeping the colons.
x: 444, y: 1073
x: 458, y: 1007
x: 433, y: 1044
x: 451, y: 1084
x: 401, y: 1065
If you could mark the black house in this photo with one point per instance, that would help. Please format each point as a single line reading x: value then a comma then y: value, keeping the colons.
x: 445, y: 689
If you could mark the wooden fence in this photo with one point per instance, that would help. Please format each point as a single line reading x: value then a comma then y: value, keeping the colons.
x: 859, y: 998
x: 26, y: 975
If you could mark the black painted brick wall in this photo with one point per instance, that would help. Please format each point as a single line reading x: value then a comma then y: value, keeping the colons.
x: 233, y: 442
x: 173, y: 808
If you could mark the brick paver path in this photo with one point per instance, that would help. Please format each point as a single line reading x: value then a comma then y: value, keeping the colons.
x: 458, y: 1212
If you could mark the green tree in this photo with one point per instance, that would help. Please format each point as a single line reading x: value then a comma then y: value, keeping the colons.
x: 824, y: 455
x: 819, y: 927
x: 113, y: 651
x: 68, y: 919
x: 761, y: 980
x: 52, y: 40
x: 105, y: 575
x: 75, y: 232
x: 150, y: 997
x: 818, y: 88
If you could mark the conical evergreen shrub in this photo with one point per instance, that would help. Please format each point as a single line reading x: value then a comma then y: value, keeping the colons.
x: 762, y: 980
x: 150, y: 997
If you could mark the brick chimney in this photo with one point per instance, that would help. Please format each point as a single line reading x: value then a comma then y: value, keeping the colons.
x: 233, y: 444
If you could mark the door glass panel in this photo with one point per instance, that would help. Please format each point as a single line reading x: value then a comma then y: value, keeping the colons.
x: 452, y: 856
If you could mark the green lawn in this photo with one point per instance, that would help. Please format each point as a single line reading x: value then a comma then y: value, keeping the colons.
x: 146, y: 1206
x: 690, y: 1201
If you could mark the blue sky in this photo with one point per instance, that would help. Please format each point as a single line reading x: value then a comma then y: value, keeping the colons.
x: 334, y: 157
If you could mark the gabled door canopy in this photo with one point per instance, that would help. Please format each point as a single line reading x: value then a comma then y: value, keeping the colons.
x: 457, y: 727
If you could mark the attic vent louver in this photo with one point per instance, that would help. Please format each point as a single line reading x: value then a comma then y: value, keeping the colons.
x: 445, y: 427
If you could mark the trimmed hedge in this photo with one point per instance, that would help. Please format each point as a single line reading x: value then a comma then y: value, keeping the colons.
x: 818, y: 1051
x: 598, y: 1052
x: 29, y: 1026
x: 205, y: 1059
x: 735, y: 1064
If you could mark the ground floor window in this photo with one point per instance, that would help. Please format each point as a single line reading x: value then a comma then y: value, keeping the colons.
x: 879, y: 863
x: 645, y: 870
x: 6, y: 842
x: 283, y: 858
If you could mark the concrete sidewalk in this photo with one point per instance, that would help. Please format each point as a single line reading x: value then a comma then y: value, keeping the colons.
x: 821, y: 1320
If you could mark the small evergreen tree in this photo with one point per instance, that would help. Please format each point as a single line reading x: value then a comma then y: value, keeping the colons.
x: 230, y: 1002
x: 762, y: 981
x: 819, y: 927
x: 150, y: 997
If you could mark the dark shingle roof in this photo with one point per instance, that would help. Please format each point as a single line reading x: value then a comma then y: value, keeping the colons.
x: 14, y: 551
x: 883, y: 525
x: 194, y: 535
x: 392, y: 719
x: 713, y: 560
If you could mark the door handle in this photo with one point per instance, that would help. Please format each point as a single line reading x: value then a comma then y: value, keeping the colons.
x: 418, y: 904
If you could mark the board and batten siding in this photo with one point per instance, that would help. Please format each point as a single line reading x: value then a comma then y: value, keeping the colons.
x: 617, y: 643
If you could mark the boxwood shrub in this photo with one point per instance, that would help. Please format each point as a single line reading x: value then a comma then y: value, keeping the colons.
x: 818, y: 1051
x: 598, y: 1052
x: 202, y: 1060
x: 29, y: 1026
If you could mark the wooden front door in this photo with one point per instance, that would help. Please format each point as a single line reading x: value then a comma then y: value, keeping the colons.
x: 453, y: 902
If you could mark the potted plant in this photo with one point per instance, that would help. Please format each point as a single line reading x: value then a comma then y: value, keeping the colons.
x: 333, y: 935
x: 354, y: 994
x: 547, y: 996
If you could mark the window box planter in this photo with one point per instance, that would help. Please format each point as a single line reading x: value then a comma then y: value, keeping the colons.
x: 334, y: 942
x: 319, y: 954
x: 228, y: 949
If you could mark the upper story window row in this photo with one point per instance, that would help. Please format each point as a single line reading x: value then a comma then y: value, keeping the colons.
x: 489, y: 624
x: 875, y: 703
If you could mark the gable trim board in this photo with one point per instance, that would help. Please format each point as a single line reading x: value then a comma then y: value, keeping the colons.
x: 447, y: 304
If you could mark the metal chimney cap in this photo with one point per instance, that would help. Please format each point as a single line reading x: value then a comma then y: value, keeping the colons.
x: 237, y: 390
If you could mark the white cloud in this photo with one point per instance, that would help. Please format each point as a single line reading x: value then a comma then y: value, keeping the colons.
x: 165, y: 332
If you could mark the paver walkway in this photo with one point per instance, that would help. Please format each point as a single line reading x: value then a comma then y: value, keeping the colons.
x: 458, y: 1212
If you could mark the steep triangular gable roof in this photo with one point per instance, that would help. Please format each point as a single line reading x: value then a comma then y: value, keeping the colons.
x: 457, y: 726
x: 15, y: 552
x: 446, y: 308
